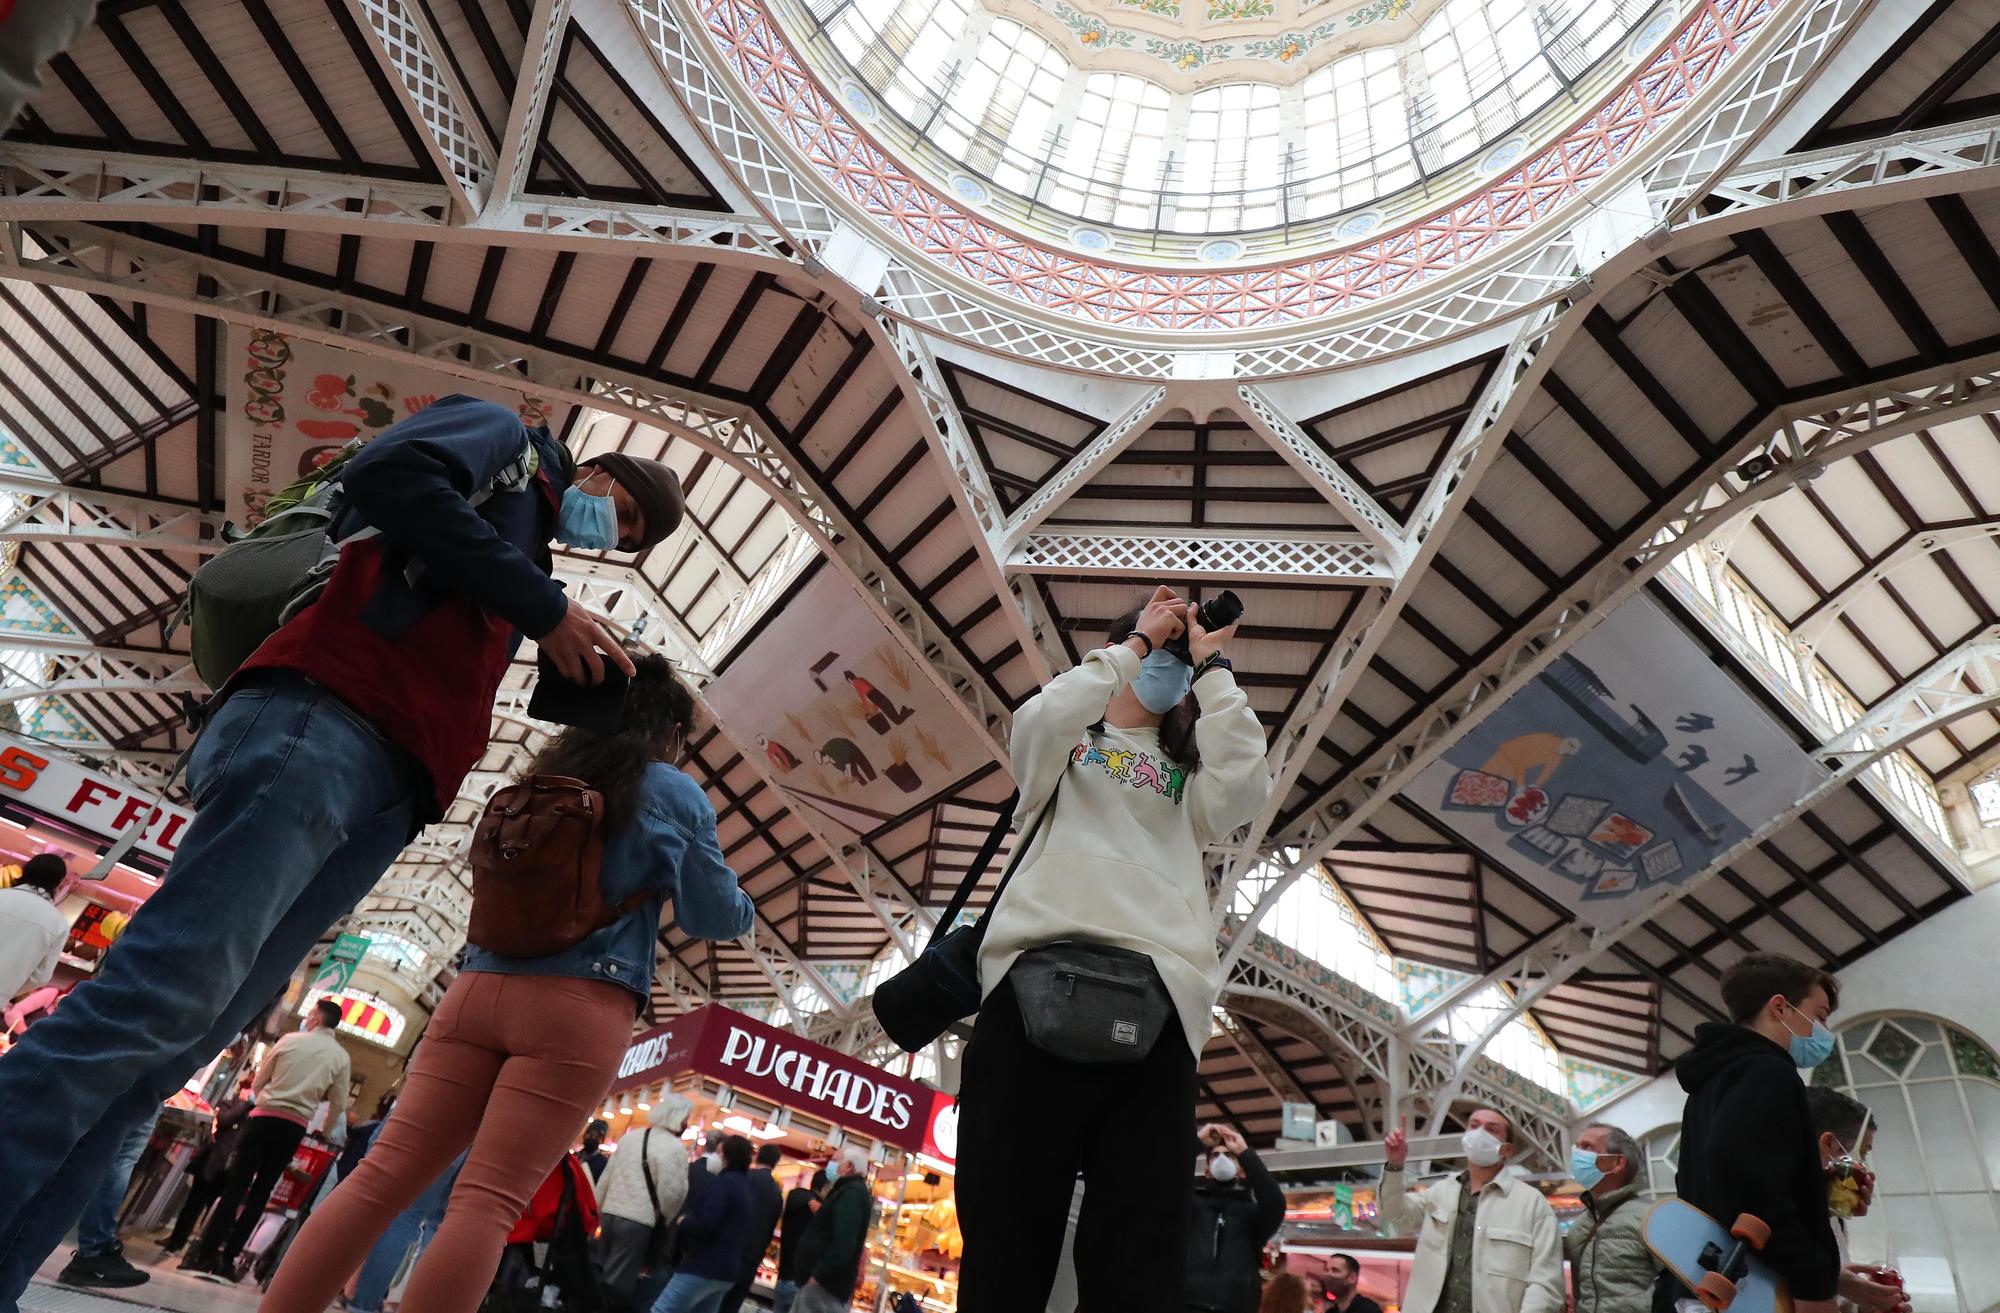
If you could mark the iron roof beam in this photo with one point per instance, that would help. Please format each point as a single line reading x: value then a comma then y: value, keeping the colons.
x: 432, y: 99
x: 1330, y: 559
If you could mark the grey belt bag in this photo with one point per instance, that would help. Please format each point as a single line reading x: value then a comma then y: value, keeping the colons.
x: 1091, y: 1002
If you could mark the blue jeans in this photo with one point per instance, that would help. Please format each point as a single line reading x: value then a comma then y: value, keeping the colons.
x: 782, y: 1296
x: 413, y: 1227
x: 651, y: 1286
x: 300, y: 807
x: 97, y: 1229
x: 688, y: 1293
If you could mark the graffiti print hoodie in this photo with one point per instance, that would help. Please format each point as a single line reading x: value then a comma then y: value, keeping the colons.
x: 1119, y: 861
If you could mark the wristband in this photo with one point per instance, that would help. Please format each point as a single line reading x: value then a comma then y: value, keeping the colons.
x: 1211, y: 662
x: 1143, y: 639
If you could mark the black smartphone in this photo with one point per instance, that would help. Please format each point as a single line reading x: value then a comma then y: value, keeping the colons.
x: 599, y: 706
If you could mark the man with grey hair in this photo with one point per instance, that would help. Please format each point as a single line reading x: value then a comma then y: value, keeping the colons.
x: 1606, y: 1247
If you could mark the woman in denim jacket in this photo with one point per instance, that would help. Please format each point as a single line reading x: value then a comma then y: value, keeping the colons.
x: 521, y: 1049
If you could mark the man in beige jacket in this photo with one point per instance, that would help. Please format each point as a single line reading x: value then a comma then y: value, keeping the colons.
x: 298, y: 1073
x: 1503, y: 1254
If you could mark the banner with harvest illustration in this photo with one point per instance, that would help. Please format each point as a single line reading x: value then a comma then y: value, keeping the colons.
x: 1628, y: 767
x: 293, y: 404
x: 842, y: 714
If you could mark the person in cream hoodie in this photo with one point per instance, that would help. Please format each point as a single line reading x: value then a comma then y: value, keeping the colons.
x: 1157, y: 758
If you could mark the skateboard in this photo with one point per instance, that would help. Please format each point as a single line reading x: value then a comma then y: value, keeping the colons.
x: 1718, y: 1263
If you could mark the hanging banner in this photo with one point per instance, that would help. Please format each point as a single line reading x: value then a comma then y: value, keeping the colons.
x: 90, y: 800
x: 336, y: 969
x: 1626, y: 768
x: 845, y: 717
x: 294, y: 403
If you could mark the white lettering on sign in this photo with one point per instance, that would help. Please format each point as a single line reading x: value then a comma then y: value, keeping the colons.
x: 815, y: 1078
x: 646, y: 1053
x: 96, y: 803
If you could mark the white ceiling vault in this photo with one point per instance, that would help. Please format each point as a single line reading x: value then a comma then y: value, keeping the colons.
x: 1768, y: 332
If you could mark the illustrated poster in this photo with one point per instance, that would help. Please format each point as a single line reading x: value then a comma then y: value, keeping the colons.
x: 843, y: 715
x: 1626, y: 768
x: 293, y: 404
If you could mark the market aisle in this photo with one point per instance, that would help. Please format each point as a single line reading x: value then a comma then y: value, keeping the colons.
x: 170, y: 1291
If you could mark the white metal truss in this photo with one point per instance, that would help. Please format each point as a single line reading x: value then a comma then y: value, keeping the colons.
x: 1820, y: 618
x: 1262, y: 1061
x: 94, y: 260
x: 1123, y: 553
x: 431, y: 96
x: 1333, y: 483
x: 87, y: 669
x: 1800, y: 441
x: 547, y: 22
x: 971, y: 489
x: 60, y: 182
x: 56, y: 513
x: 1093, y: 456
x: 1903, y: 162
x: 1473, y: 449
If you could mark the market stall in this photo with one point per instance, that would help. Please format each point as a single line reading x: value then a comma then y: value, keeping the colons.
x: 774, y: 1087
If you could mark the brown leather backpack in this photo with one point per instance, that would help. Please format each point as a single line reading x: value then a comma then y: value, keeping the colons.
x: 536, y: 856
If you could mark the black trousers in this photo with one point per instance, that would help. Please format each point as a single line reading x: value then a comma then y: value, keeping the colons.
x: 202, y: 1191
x: 1029, y: 1124
x: 261, y: 1158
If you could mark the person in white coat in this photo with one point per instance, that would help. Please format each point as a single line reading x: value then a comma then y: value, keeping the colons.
x: 626, y: 1206
x: 32, y: 930
x: 1501, y: 1254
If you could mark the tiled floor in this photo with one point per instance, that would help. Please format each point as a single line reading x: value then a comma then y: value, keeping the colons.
x: 169, y: 1291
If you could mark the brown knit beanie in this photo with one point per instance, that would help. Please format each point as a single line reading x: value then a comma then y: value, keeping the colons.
x: 654, y: 486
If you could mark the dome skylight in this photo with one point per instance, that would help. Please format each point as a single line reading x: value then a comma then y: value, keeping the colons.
x: 1198, y: 117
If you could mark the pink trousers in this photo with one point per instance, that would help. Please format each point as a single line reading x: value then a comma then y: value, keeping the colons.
x: 511, y: 1065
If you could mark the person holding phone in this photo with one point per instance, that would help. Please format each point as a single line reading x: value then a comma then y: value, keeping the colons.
x: 336, y: 742
x: 522, y: 1048
x: 1158, y: 755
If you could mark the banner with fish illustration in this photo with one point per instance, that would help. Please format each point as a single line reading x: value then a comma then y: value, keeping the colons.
x: 293, y: 404
x: 1626, y: 768
x: 844, y: 716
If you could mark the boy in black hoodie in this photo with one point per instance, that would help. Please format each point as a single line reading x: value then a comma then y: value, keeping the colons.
x: 1747, y: 1142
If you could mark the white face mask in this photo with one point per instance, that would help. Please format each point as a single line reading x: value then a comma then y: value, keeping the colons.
x: 1482, y: 1149
x: 1222, y: 1169
x: 715, y: 1164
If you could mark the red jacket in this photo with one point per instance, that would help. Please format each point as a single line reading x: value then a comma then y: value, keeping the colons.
x: 539, y: 1222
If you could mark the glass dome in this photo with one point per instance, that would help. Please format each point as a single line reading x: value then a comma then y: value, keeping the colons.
x: 1204, y: 117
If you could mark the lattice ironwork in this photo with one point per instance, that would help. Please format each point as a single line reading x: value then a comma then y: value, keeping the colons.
x: 54, y: 513
x: 864, y: 177
x: 113, y: 264
x: 1100, y: 451
x: 1813, y: 626
x: 436, y: 103
x: 1122, y: 553
x: 1890, y: 168
x: 546, y: 24
x: 1323, y: 472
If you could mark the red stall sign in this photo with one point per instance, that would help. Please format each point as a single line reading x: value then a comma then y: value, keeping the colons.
x: 793, y: 1072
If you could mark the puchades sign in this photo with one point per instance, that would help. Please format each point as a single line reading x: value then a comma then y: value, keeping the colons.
x: 1626, y: 768
x: 90, y: 800
x: 782, y: 1068
x: 847, y: 721
x: 294, y: 403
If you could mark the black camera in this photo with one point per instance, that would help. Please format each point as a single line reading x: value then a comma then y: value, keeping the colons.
x: 1218, y: 612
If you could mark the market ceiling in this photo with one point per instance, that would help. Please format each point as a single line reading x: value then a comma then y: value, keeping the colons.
x: 1001, y: 510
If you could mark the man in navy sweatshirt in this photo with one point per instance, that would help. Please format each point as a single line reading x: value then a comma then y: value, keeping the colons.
x: 346, y: 733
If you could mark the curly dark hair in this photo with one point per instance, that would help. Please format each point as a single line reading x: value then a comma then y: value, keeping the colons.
x: 1177, y: 726
x: 659, y: 716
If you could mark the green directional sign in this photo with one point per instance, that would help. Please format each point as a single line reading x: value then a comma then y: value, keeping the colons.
x: 336, y: 969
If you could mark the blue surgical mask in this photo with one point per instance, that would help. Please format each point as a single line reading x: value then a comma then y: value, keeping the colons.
x: 1813, y: 1048
x: 587, y: 521
x: 1583, y: 1166
x: 1163, y: 681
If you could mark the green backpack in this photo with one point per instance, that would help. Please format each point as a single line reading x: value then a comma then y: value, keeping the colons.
x: 242, y: 595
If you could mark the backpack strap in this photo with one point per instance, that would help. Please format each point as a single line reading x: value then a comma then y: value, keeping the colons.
x: 646, y: 1167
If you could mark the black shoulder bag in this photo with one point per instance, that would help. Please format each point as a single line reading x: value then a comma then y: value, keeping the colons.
x: 923, y: 1000
x: 1080, y: 1002
x: 661, y: 1238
